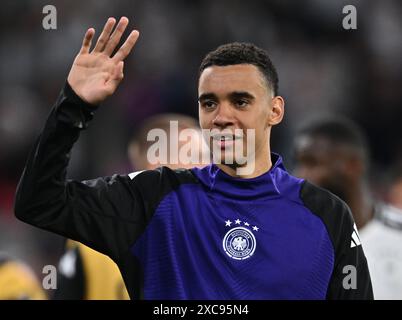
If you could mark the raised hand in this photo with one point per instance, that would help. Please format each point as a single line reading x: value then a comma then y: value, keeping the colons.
x: 95, y: 75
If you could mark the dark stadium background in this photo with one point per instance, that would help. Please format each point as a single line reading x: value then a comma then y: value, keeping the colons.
x: 322, y: 69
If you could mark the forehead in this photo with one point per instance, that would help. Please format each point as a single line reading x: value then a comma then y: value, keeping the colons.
x: 318, y: 146
x: 239, y: 77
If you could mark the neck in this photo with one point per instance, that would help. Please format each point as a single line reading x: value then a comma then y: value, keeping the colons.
x: 261, y: 165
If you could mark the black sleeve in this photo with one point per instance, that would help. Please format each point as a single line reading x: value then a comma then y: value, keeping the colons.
x: 70, y: 276
x: 106, y: 214
x: 350, y: 279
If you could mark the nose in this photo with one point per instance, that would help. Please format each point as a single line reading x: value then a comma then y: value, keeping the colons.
x: 224, y: 117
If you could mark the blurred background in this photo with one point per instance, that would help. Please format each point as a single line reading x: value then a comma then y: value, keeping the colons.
x: 323, y: 69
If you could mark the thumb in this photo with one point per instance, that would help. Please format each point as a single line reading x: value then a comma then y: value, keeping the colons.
x: 116, y: 77
x: 118, y: 72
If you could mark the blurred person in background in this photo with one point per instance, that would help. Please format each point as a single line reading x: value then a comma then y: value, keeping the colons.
x: 18, y: 281
x: 85, y: 274
x: 139, y: 144
x: 333, y: 154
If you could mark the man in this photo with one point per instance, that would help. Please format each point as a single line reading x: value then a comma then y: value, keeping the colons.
x: 140, y: 143
x: 85, y: 274
x: 210, y: 233
x: 333, y: 153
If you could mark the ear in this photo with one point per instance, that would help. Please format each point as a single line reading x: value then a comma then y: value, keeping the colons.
x: 277, y: 110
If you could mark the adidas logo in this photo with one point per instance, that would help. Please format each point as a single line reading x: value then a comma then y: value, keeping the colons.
x: 355, y: 237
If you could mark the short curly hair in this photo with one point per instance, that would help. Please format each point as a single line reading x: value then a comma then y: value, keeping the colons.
x: 243, y: 53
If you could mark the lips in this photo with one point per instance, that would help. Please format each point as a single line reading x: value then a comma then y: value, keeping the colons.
x: 225, y: 140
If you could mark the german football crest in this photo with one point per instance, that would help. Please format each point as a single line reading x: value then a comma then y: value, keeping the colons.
x: 239, y: 242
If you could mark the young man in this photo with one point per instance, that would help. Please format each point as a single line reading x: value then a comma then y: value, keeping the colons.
x: 208, y: 233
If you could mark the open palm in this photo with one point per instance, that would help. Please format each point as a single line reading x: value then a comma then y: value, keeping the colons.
x: 95, y: 75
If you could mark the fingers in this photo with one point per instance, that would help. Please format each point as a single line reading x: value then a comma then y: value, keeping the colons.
x: 125, y: 49
x: 87, y: 41
x: 104, y: 37
x: 107, y: 43
x: 116, y: 36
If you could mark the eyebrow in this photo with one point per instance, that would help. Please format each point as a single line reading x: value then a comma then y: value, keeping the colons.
x: 207, y: 96
x: 233, y: 95
x: 241, y: 94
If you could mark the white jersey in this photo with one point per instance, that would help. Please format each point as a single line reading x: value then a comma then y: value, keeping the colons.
x: 382, y: 244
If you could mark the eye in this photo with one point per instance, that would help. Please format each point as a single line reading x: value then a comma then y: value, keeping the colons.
x: 242, y: 103
x: 208, y: 104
